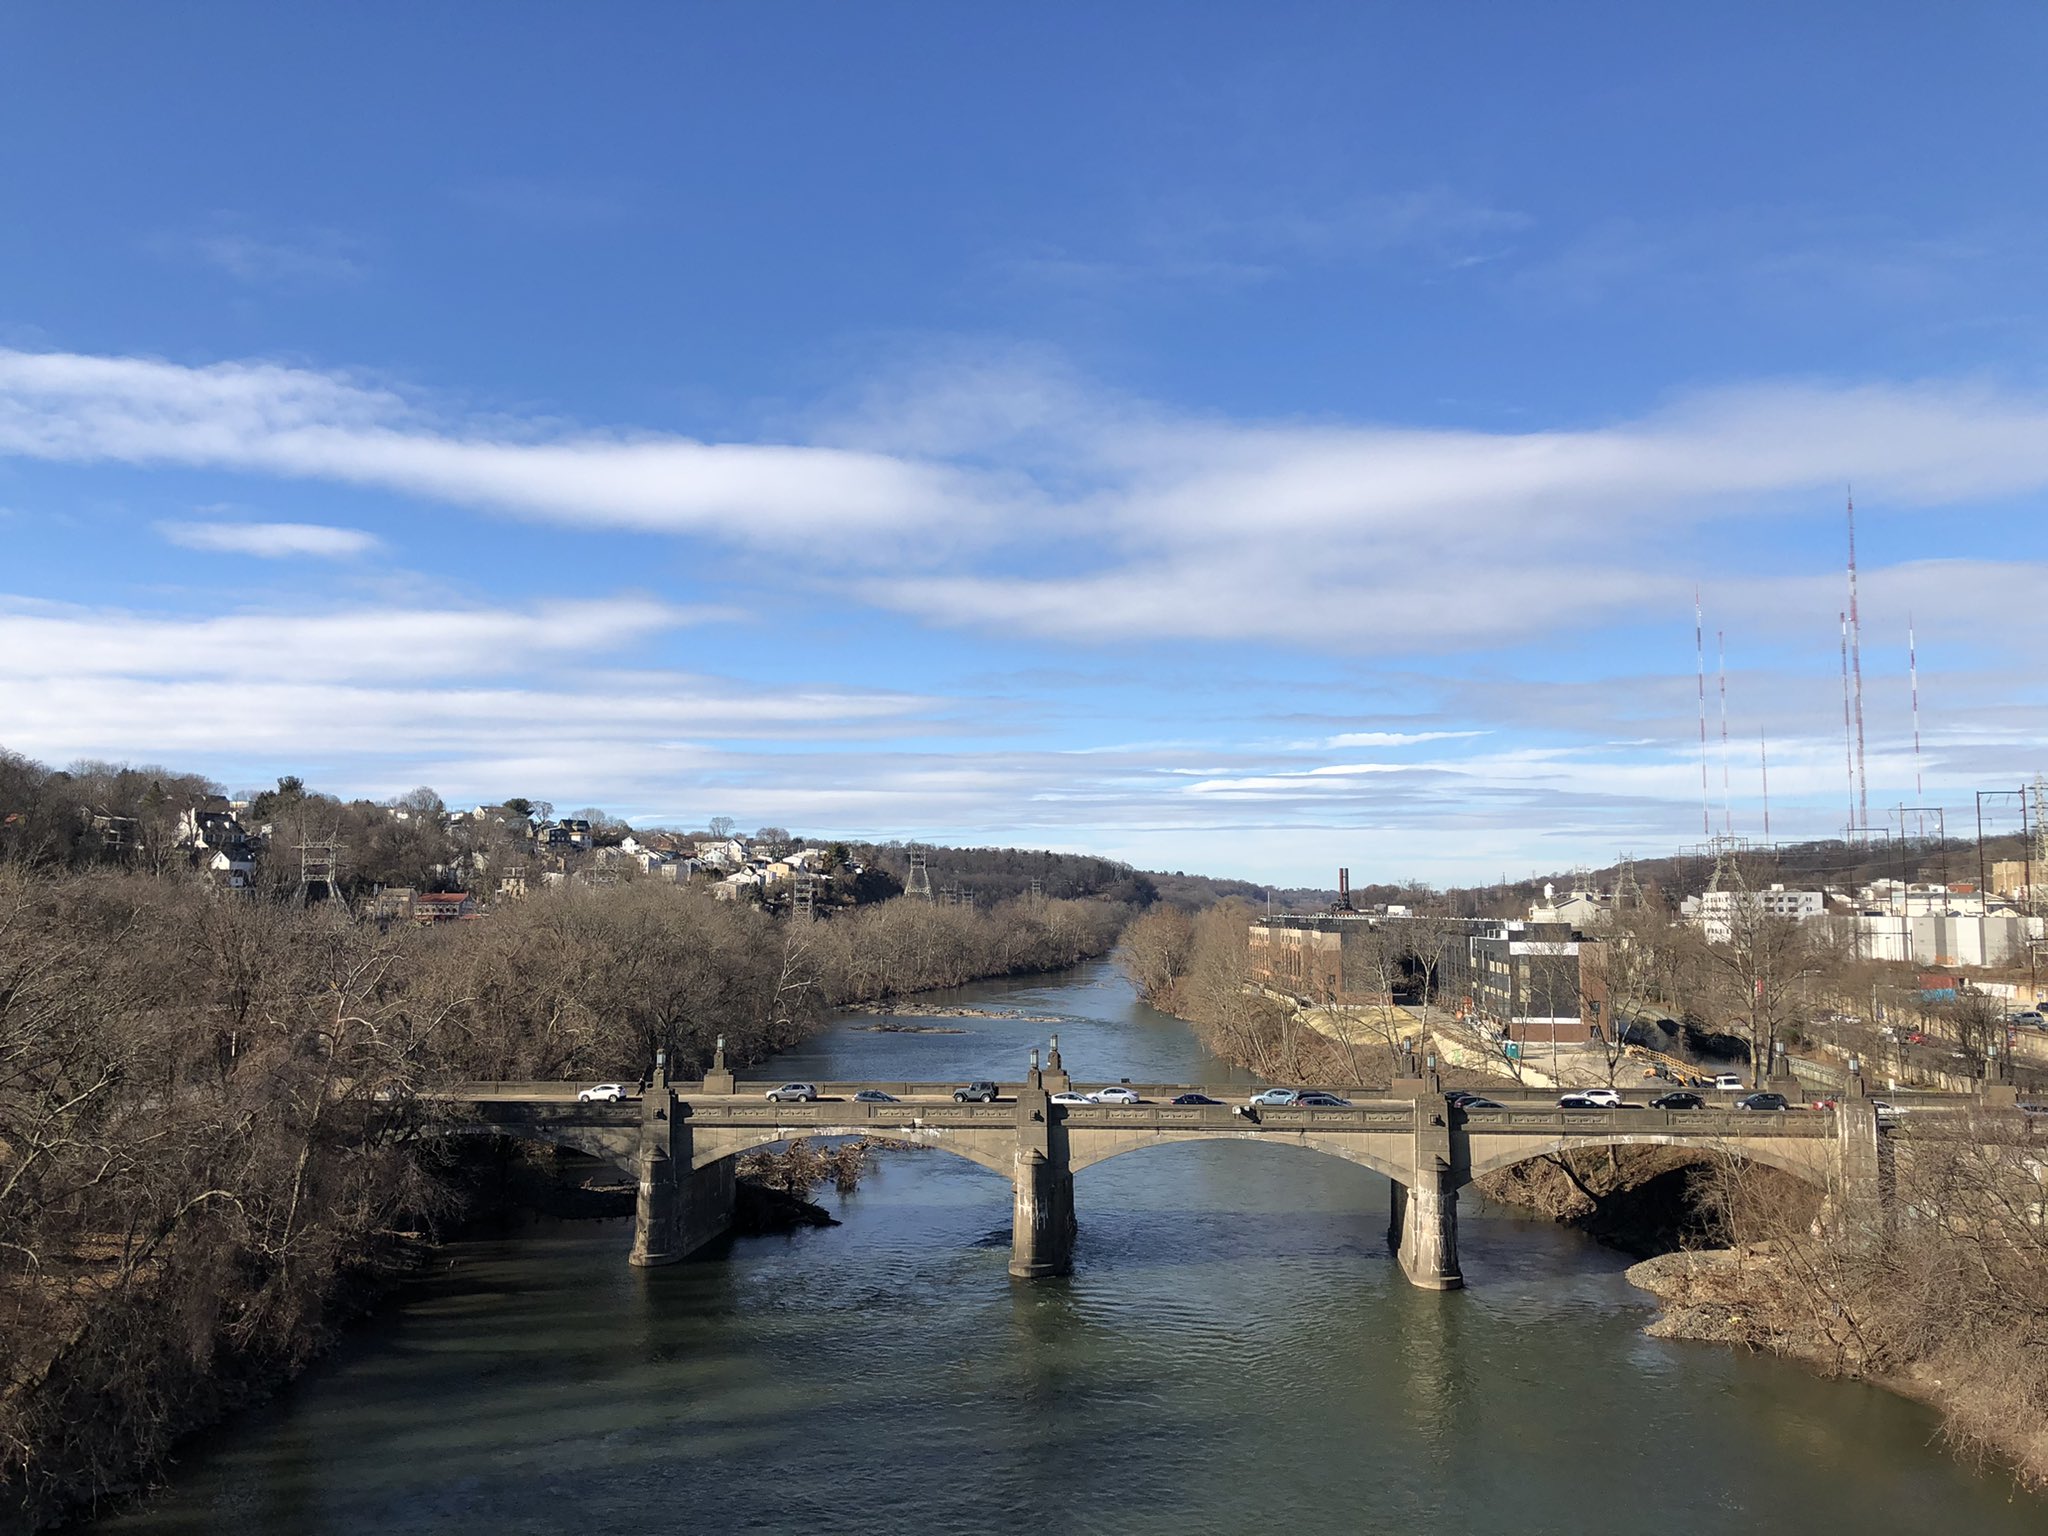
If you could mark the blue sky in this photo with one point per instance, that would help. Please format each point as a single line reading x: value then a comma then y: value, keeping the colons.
x: 1240, y: 438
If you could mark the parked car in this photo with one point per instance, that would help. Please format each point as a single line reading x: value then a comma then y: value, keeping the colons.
x: 1274, y: 1098
x: 1321, y: 1101
x: 1728, y: 1082
x: 875, y: 1096
x: 1065, y: 1096
x: 603, y: 1093
x: 977, y: 1093
x: 1678, y: 1100
x: 1195, y: 1098
x: 793, y: 1093
x: 1115, y: 1095
x: 1762, y: 1101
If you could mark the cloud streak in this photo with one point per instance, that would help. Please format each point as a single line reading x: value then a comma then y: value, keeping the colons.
x: 1029, y: 501
x: 273, y: 541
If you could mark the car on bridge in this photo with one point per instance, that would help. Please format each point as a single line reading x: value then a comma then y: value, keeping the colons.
x: 1116, y: 1094
x: 1476, y: 1101
x: 977, y: 1093
x: 1590, y: 1098
x: 793, y: 1093
x: 875, y: 1096
x: 1274, y: 1098
x: 1762, y: 1101
x: 1679, y: 1100
x: 1314, y: 1100
x: 603, y: 1093
x: 1067, y: 1096
x: 1194, y: 1098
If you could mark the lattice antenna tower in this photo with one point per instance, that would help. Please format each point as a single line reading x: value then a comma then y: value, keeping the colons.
x: 1913, y: 683
x: 1763, y: 763
x: 918, y: 882
x: 1037, y: 893
x: 803, y: 900
x: 1848, y: 731
x: 1856, y: 662
x: 1699, y: 646
x: 1721, y: 655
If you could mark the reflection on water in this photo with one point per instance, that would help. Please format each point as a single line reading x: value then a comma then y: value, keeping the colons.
x: 1235, y: 1348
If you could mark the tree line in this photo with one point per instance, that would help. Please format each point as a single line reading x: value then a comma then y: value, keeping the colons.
x: 213, y: 1136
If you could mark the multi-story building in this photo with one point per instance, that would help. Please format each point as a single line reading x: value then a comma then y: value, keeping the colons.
x: 1721, y: 911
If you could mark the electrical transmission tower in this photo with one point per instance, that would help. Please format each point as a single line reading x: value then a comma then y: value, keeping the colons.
x: 320, y: 870
x: 1037, y: 893
x: 1628, y: 893
x: 919, y: 881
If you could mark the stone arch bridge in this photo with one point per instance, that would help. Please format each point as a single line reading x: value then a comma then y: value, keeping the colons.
x: 681, y: 1140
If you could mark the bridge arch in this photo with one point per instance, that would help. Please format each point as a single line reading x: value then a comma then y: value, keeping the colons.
x: 607, y: 1143
x: 1807, y: 1158
x: 1389, y: 1155
x: 996, y: 1152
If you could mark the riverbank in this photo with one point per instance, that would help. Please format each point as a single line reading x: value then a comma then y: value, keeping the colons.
x: 1758, y: 1297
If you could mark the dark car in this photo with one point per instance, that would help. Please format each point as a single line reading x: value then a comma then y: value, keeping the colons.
x: 977, y: 1093
x: 875, y: 1096
x: 1679, y: 1100
x: 1762, y: 1101
x: 1195, y: 1098
x: 1474, y: 1101
x: 1322, y: 1101
x: 1458, y: 1097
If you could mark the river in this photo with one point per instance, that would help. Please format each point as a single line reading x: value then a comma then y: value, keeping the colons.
x: 1235, y: 1349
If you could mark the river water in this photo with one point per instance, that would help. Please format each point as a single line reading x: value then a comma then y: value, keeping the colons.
x: 1235, y: 1348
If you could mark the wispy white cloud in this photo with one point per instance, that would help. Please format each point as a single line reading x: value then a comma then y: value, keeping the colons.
x: 67, y: 641
x: 272, y: 541
x: 276, y: 420
x: 1029, y: 501
x: 318, y: 258
x: 1396, y: 738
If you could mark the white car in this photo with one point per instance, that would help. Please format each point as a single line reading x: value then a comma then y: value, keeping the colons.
x: 1591, y: 1098
x: 603, y: 1093
x: 1117, y: 1095
x: 1071, y: 1098
x: 1728, y: 1082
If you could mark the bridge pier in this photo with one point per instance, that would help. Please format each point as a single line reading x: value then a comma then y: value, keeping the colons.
x: 1423, y: 1229
x: 677, y: 1209
x: 1859, y: 1157
x: 1042, y: 1222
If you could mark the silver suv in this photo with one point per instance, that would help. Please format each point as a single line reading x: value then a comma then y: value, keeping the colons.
x: 794, y: 1093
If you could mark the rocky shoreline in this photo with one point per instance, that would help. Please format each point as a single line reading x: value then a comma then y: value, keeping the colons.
x: 902, y: 1010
